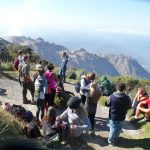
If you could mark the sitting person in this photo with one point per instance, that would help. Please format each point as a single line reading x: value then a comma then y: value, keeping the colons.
x: 77, y: 119
x: 53, y: 129
x: 141, y: 109
x: 140, y: 96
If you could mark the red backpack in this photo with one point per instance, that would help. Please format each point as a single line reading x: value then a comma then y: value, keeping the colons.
x: 16, y: 64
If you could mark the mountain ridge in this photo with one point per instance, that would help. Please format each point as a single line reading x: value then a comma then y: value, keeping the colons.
x: 110, y: 64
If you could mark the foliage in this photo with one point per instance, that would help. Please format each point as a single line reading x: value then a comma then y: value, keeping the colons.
x: 102, y: 100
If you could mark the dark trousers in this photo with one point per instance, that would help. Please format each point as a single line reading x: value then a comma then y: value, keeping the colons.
x: 91, y: 117
x: 83, y: 98
x: 62, y: 74
x: 27, y: 85
x: 40, y: 107
x: 49, y: 98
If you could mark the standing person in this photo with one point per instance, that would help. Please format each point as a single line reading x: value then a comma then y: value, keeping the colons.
x: 118, y: 103
x: 52, y: 80
x: 20, y: 63
x: 84, y: 89
x: 90, y: 106
x: 40, y: 90
x: 27, y: 83
x: 63, y: 69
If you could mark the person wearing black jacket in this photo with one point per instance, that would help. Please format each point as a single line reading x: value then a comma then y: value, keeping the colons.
x: 118, y: 103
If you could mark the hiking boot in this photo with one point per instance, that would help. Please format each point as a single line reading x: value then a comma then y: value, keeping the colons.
x: 33, y: 102
x: 26, y: 102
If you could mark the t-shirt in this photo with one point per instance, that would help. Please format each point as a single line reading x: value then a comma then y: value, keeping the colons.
x: 148, y: 103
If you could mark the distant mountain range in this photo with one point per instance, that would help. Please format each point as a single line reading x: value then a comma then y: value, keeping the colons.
x: 108, y: 64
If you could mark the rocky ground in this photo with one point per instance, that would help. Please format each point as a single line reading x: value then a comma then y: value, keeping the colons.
x: 10, y: 91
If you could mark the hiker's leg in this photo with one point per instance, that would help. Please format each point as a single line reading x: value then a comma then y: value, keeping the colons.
x: 112, y: 132
x: 134, y: 108
x: 31, y: 89
x: 138, y: 112
x: 92, y: 121
x: 24, y: 91
x: 42, y: 103
x: 46, y: 105
x: 64, y: 74
x: 118, y: 130
x: 83, y: 98
x: 61, y: 74
x: 38, y: 109
x: 52, y: 96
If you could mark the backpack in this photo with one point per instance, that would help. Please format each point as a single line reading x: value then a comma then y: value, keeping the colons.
x: 32, y: 130
x: 29, y: 116
x: 16, y: 64
x: 77, y: 87
x: 18, y: 111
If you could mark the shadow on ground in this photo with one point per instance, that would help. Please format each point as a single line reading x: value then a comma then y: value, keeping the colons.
x: 6, y: 75
x: 134, y: 143
x: 101, y: 124
x: 3, y: 92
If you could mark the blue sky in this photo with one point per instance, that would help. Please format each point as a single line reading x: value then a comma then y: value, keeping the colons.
x: 37, y: 18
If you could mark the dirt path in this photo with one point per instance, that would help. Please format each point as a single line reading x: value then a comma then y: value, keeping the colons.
x: 10, y: 91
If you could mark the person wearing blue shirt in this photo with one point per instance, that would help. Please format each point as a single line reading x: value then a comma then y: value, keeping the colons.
x: 63, y: 66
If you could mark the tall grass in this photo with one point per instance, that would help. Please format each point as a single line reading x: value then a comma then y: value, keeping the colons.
x: 6, y: 66
x: 9, y: 125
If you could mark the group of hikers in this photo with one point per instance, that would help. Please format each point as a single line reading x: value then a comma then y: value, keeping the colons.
x: 81, y: 110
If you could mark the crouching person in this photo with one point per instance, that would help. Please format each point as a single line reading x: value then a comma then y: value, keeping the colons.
x: 77, y: 119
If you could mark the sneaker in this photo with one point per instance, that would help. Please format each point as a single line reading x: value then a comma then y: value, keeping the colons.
x: 111, y: 145
x: 145, y: 120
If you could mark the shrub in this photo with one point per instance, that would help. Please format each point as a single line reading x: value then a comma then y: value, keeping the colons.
x: 72, y: 75
x: 7, y: 66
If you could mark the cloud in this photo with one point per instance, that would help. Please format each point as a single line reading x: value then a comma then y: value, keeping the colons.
x: 122, y: 30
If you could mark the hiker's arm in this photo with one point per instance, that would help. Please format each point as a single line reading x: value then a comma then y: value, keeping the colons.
x: 64, y: 114
x: 136, y: 97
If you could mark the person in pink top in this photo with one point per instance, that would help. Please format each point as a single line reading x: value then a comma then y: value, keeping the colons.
x: 52, y: 80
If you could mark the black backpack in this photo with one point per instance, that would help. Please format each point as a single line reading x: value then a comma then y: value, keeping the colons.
x: 77, y: 87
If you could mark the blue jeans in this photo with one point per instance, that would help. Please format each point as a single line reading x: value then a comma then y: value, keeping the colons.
x: 62, y: 74
x: 115, y: 129
x: 40, y: 107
